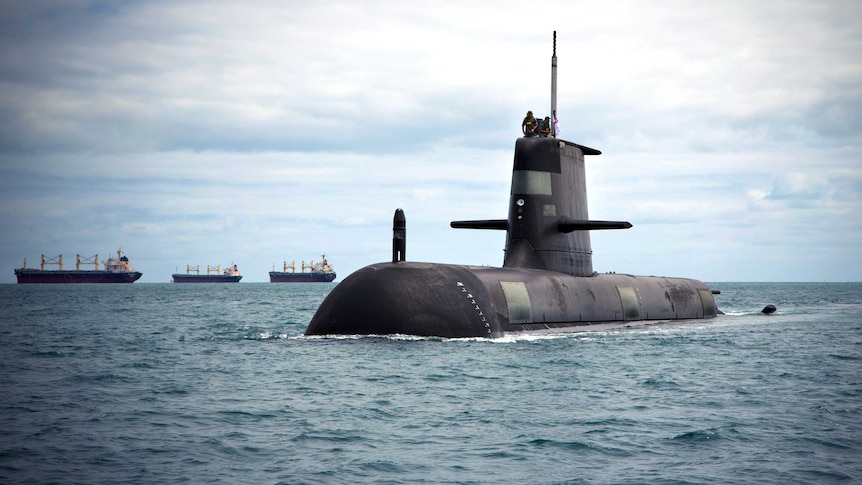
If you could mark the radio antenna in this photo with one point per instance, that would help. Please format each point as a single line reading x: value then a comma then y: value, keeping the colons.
x: 554, y: 88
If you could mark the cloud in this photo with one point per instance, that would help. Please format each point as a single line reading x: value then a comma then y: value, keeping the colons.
x: 219, y: 131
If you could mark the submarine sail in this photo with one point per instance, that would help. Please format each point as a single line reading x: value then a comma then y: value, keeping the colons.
x: 546, y: 282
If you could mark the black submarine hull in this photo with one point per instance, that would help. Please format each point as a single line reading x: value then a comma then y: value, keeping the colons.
x: 453, y: 301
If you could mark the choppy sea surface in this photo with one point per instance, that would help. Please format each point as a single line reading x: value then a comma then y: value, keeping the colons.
x: 162, y: 383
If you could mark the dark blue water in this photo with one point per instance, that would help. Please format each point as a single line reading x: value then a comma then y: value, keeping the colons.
x: 161, y: 383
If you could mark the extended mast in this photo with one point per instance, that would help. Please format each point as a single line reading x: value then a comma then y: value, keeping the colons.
x: 554, y: 88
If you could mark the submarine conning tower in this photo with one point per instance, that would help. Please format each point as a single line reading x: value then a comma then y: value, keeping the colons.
x: 548, y: 224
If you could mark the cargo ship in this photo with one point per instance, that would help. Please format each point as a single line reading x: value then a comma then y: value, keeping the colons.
x: 117, y: 270
x: 214, y: 275
x: 318, y: 273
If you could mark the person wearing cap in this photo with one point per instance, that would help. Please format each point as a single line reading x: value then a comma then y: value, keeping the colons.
x: 528, y: 126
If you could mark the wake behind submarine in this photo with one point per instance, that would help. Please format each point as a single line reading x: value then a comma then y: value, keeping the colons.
x: 546, y: 283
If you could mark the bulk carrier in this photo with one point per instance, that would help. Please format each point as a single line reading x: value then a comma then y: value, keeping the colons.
x: 214, y: 275
x: 117, y: 270
x: 318, y: 273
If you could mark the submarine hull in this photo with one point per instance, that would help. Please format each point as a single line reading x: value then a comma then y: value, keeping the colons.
x: 452, y: 301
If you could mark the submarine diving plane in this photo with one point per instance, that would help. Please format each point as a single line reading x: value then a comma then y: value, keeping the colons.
x: 546, y: 283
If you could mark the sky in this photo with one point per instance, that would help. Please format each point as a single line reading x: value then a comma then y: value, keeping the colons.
x: 258, y: 132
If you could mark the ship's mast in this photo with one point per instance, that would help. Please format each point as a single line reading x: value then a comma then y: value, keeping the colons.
x: 554, y: 88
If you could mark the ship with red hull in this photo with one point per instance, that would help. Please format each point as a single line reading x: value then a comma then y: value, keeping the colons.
x: 318, y: 273
x: 213, y: 275
x: 117, y: 270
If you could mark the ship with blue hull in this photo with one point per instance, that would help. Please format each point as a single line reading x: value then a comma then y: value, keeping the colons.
x: 116, y: 270
x: 214, y: 274
x: 321, y: 272
x: 546, y: 283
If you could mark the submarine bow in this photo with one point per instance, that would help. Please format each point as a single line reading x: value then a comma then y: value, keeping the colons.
x: 407, y: 298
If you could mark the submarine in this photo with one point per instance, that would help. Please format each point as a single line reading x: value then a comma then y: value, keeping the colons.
x: 546, y: 282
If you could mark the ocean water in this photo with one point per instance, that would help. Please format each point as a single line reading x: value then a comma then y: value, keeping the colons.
x: 161, y: 383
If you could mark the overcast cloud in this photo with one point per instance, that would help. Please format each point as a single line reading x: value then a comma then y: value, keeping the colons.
x: 256, y: 132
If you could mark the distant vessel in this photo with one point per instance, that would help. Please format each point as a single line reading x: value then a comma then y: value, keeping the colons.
x: 117, y: 270
x: 318, y: 273
x: 214, y: 275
